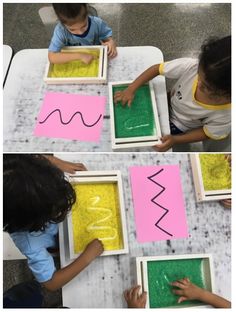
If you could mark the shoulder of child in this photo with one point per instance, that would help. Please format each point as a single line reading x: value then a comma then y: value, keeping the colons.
x: 96, y: 19
x: 60, y: 29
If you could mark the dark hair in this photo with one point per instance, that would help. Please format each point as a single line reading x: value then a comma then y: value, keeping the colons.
x: 35, y: 193
x: 67, y: 12
x: 215, y: 62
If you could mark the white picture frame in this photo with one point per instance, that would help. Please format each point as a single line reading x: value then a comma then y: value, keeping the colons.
x: 132, y: 142
x: 102, y: 72
x: 208, y: 271
x: 201, y: 193
x: 103, y: 177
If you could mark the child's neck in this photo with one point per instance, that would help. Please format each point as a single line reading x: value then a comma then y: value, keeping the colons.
x: 210, y: 100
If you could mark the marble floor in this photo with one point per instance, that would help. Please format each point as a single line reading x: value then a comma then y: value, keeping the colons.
x: 177, y: 29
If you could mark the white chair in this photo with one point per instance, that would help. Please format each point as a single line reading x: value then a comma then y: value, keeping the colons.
x: 10, y: 251
x: 49, y: 18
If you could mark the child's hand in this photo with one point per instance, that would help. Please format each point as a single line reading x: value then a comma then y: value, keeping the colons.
x: 133, y: 299
x: 187, y: 291
x: 167, y: 142
x: 65, y: 166
x: 71, y: 167
x: 125, y: 97
x: 111, y: 47
x: 93, y: 250
x: 226, y: 203
x: 86, y: 58
x: 228, y: 158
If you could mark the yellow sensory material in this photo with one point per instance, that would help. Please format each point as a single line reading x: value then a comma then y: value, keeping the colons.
x: 96, y: 214
x: 76, y: 68
x: 216, y: 172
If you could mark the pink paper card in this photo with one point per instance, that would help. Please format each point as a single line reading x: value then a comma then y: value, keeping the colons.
x: 71, y: 116
x: 158, y: 203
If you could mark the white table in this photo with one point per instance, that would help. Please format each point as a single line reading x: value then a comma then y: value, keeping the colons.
x: 24, y: 91
x: 7, y: 55
x: 102, y: 283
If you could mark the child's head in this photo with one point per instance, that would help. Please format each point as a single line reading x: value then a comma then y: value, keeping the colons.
x: 215, y: 67
x: 74, y: 16
x: 34, y: 193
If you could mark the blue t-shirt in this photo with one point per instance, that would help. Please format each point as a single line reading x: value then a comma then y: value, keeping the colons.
x: 34, y: 246
x: 97, y: 31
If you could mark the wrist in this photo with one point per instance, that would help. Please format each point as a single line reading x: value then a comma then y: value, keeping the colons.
x: 202, y: 295
x: 54, y: 160
x: 174, y: 139
x: 85, y: 258
x: 107, y: 39
x: 132, y: 88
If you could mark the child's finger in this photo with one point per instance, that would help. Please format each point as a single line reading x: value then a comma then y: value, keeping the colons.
x: 177, y: 292
x: 114, y: 53
x: 161, y: 147
x: 126, y: 292
x: 178, y: 284
x: 181, y: 299
x: 143, y: 296
x: 156, y: 147
x: 123, y: 101
x: 131, y: 292
x: 80, y: 167
x: 117, y: 96
x: 164, y: 138
x: 136, y: 291
x: 184, y: 281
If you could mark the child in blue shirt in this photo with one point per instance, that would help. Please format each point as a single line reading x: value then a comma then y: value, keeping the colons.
x: 36, y: 198
x: 75, y: 28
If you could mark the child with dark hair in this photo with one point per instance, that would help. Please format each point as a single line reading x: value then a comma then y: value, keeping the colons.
x: 36, y: 197
x: 200, y: 99
x: 77, y: 27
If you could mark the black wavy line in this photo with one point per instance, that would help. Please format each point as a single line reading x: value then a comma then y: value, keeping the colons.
x: 66, y: 123
x: 153, y: 201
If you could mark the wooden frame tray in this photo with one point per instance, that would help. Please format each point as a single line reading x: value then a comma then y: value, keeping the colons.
x: 95, y: 227
x: 148, y: 117
x: 99, y: 78
x: 201, y: 193
x: 142, y: 264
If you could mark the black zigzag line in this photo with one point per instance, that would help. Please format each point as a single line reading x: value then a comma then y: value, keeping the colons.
x: 154, y: 202
x: 66, y: 123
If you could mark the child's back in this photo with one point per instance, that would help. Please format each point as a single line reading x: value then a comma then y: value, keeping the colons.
x: 36, y: 197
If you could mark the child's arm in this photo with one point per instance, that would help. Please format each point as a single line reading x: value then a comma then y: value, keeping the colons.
x: 65, y: 166
x: 168, y: 141
x: 127, y: 95
x: 65, y: 275
x: 63, y: 57
x: 134, y: 299
x: 189, y: 291
x: 111, y: 46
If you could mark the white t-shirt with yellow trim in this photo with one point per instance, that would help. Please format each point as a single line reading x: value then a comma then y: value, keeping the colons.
x: 186, y: 112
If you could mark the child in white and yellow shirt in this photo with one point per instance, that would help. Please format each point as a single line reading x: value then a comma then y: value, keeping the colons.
x: 200, y: 99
